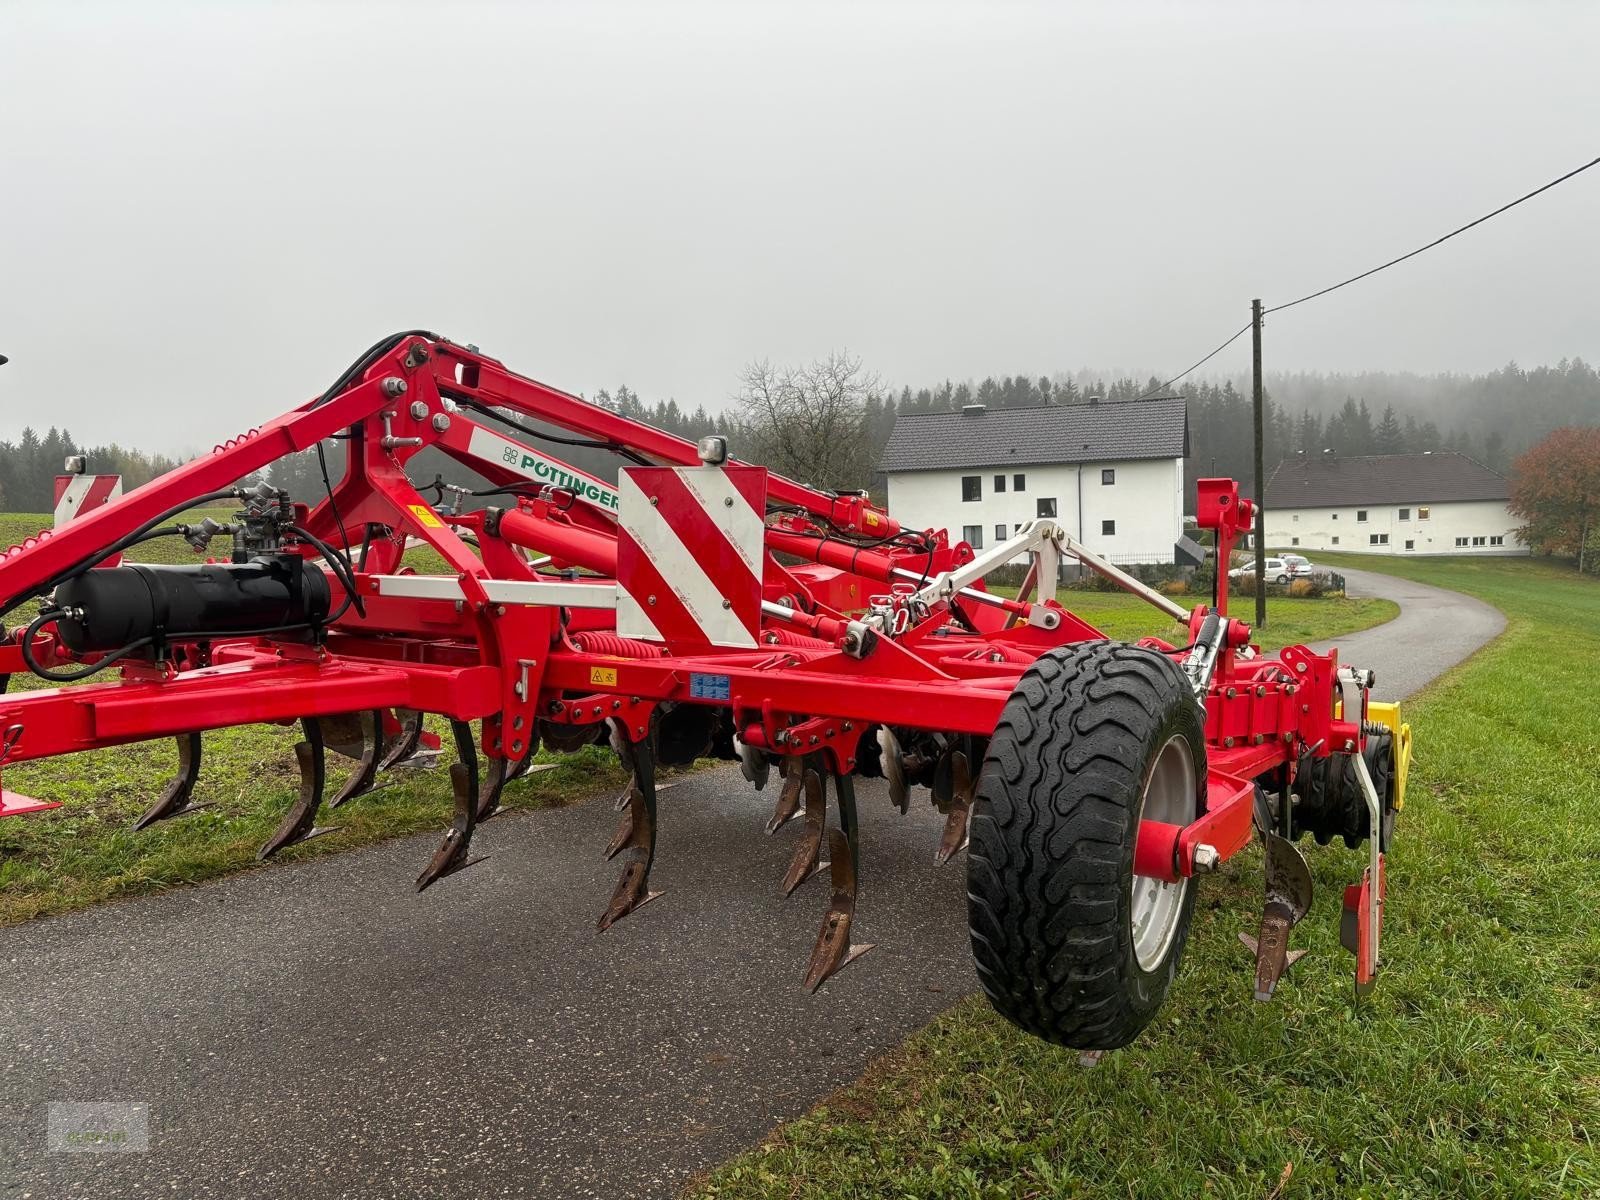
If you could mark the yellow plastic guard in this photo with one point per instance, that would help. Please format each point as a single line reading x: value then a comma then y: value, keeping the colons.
x: 1389, y: 714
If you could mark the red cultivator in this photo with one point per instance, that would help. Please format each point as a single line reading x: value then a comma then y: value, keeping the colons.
x: 701, y: 607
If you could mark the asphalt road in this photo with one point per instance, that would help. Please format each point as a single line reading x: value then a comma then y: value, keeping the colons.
x: 1435, y: 630
x: 316, y: 1029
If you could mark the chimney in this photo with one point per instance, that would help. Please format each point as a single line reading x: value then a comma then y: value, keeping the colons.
x: 974, y: 410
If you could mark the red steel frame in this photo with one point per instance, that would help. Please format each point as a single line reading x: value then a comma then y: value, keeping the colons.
x: 474, y: 657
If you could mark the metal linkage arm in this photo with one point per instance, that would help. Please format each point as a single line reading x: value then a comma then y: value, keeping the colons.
x: 464, y: 375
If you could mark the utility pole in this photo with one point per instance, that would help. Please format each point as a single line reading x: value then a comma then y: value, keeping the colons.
x: 1261, y: 520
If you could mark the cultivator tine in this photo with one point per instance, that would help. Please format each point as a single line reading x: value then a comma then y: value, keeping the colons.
x: 834, y: 950
x: 366, y: 748
x: 451, y: 856
x: 521, y: 766
x: 1288, y: 899
x: 494, y: 782
x: 753, y: 765
x: 174, y: 801
x: 954, y: 838
x: 300, y: 823
x: 808, y: 860
x: 405, y: 754
x: 894, y: 769
x: 787, y: 807
x: 633, y: 888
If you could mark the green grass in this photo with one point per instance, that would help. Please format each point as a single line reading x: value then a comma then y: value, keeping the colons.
x: 1290, y: 620
x: 1473, y: 1071
x: 85, y: 851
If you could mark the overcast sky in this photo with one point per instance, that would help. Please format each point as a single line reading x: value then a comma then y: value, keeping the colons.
x: 206, y: 211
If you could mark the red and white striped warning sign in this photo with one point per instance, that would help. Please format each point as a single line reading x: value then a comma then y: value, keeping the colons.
x: 689, y: 554
x: 76, y: 494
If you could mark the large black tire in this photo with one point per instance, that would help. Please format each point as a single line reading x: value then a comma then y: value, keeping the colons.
x: 1050, y: 881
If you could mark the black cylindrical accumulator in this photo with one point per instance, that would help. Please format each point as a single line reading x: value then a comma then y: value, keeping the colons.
x: 113, y: 606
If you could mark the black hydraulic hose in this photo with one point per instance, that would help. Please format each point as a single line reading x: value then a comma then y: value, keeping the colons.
x: 25, y: 643
x: 485, y: 410
x: 340, y: 566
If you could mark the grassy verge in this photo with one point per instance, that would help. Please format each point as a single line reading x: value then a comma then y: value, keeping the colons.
x: 1474, y: 1070
x: 1290, y: 619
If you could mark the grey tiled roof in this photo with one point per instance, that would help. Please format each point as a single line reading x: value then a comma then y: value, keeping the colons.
x: 999, y: 437
x: 1327, y: 481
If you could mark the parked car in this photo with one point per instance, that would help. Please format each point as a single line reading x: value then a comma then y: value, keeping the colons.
x: 1281, y: 568
x: 1301, y: 567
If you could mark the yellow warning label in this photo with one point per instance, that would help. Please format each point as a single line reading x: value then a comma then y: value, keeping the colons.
x: 603, y: 676
x: 425, y: 514
x: 870, y: 519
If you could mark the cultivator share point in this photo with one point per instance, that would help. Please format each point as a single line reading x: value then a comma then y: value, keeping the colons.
x: 706, y: 607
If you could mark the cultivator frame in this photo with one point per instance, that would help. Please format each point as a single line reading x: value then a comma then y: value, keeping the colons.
x: 698, y: 606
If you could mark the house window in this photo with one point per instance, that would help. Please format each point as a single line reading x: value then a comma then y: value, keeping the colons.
x: 1016, y: 528
x: 1046, y: 507
x: 1335, y: 516
x: 1405, y: 514
x: 1410, y: 545
x: 1424, y: 512
x: 1000, y: 532
x: 1336, y: 539
x: 1019, y: 483
x: 1477, y: 541
x: 973, y: 536
x: 1108, y: 528
x: 999, y: 483
x: 1497, y: 540
x: 1108, y: 475
x: 1294, y: 541
x: 1361, y: 514
x: 1378, y: 539
x: 971, y: 487
x: 1295, y: 519
x: 1461, y: 541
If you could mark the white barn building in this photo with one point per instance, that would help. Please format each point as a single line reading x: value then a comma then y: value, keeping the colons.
x: 1111, y: 474
x: 1438, y: 502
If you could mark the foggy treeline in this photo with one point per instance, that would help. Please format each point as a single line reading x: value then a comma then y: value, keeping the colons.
x: 1491, y: 417
x: 29, y: 465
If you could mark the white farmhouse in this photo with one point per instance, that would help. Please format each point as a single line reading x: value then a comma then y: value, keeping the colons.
x: 1111, y: 474
x: 1437, y: 502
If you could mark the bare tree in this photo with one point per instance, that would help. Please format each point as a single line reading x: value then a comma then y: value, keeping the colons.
x: 809, y: 422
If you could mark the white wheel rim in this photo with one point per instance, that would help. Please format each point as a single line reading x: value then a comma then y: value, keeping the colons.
x: 1169, y: 795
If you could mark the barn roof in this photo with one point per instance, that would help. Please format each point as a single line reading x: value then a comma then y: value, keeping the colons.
x: 1067, y: 433
x: 1328, y: 481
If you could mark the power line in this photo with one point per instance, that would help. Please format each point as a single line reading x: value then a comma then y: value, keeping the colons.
x: 1436, y: 241
x: 1156, y: 391
x: 1356, y: 278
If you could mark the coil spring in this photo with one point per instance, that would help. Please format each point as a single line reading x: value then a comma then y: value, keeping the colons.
x: 600, y: 641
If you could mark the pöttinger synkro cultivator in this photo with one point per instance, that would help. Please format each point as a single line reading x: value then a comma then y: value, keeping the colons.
x: 706, y: 607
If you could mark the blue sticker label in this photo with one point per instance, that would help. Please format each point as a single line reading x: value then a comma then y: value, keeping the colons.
x: 710, y: 687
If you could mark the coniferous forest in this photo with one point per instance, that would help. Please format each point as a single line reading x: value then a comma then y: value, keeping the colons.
x: 1491, y: 417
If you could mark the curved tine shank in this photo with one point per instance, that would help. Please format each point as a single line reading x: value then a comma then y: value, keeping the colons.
x: 451, y: 856
x: 633, y: 888
x: 494, y: 776
x: 300, y: 822
x: 787, y: 807
x: 520, y: 767
x: 807, y: 860
x: 371, y: 729
x: 174, y: 801
x: 405, y: 743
